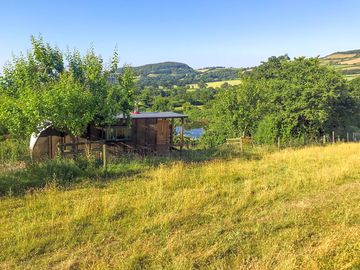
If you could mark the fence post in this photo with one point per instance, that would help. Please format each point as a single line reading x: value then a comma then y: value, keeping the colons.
x: 324, y: 139
x: 104, y: 156
x: 333, y: 136
x: 241, y: 145
x: 347, y: 136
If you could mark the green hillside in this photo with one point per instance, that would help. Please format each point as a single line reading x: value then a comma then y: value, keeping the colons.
x: 169, y: 74
x: 348, y: 62
x: 170, y: 68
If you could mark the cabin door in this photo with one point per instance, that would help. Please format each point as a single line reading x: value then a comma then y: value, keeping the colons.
x: 162, y: 136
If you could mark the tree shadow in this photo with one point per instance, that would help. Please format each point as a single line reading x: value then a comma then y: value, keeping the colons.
x: 68, y: 173
x: 63, y: 173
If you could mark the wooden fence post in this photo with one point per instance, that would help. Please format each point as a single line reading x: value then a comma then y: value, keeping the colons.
x: 241, y: 145
x: 347, y: 136
x: 104, y: 156
x: 182, y: 134
x: 333, y: 136
x: 324, y: 139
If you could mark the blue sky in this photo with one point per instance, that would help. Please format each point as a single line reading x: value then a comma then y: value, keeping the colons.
x: 200, y: 33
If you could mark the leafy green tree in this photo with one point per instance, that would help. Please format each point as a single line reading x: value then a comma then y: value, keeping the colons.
x: 283, y: 98
x: 234, y: 112
x: 161, y: 104
x: 37, y: 89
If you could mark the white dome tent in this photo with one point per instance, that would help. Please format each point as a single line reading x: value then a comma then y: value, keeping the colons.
x: 44, y: 144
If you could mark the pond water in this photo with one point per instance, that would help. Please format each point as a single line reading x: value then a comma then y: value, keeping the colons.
x: 194, y: 133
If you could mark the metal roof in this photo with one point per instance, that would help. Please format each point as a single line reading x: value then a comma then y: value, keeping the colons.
x: 143, y: 115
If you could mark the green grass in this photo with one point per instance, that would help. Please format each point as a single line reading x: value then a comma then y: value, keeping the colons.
x: 217, y: 84
x: 293, y: 209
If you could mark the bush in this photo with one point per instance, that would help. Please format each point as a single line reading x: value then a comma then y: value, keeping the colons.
x: 266, y: 131
x: 13, y: 150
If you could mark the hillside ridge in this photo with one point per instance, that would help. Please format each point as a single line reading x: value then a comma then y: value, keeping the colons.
x: 347, y: 62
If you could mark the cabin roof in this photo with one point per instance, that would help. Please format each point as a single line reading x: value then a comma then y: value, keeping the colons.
x: 143, y: 115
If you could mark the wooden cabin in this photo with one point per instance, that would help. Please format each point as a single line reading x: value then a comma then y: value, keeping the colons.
x: 147, y: 133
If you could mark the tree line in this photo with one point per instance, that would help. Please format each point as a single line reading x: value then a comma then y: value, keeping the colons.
x: 281, y: 99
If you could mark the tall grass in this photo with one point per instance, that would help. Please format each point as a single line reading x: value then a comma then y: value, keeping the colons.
x: 294, y: 209
x: 12, y: 151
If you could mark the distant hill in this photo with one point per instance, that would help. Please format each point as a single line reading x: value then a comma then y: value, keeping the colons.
x: 170, y: 68
x: 168, y: 74
x: 348, y: 62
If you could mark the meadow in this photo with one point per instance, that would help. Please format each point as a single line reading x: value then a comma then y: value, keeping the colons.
x: 217, y: 84
x: 288, y: 209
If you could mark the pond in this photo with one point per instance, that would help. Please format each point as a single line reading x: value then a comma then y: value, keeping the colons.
x: 194, y: 133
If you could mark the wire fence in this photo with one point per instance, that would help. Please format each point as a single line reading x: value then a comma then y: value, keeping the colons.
x: 12, y: 150
x: 280, y: 143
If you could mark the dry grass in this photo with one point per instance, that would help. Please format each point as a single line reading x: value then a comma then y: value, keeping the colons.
x: 203, y: 69
x: 295, y: 209
x: 340, y: 56
x: 351, y: 68
x: 217, y: 84
x: 351, y: 62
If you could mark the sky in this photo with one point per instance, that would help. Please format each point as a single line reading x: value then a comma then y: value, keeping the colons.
x: 199, y: 33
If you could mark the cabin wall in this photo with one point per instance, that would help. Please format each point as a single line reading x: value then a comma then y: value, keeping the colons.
x: 152, y: 133
x: 163, y: 134
x: 146, y: 134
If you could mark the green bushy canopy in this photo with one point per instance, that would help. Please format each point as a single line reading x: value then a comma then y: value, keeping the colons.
x: 285, y: 99
x: 70, y: 90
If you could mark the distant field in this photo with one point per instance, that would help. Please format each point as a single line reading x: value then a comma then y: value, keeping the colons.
x: 350, y: 62
x: 203, y: 70
x: 344, y: 62
x: 351, y: 68
x: 153, y: 75
x: 218, y: 84
x: 293, y: 209
x: 340, y: 56
x: 351, y: 77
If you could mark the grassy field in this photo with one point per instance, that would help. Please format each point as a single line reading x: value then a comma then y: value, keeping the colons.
x: 293, y: 209
x: 217, y: 84
x: 344, y: 62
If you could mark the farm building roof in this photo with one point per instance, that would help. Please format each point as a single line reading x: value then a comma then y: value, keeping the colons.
x: 143, y: 115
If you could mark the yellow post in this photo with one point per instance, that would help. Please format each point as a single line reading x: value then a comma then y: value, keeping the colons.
x: 182, y: 134
x: 104, y: 156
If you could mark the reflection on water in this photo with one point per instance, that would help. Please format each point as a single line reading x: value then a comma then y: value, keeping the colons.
x: 194, y: 133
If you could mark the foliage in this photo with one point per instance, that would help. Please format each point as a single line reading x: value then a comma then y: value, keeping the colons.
x: 286, y: 99
x: 161, y: 104
x: 38, y: 88
x: 12, y: 151
x: 267, y: 130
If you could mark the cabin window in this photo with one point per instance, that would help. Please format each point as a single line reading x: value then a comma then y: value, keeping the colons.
x: 118, y: 133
